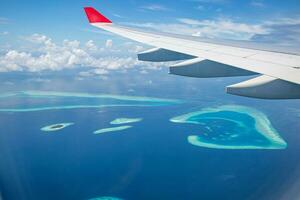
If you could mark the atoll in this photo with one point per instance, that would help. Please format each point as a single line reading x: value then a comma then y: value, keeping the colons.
x: 232, y: 127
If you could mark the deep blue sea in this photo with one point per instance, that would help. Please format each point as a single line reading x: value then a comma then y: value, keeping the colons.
x: 150, y: 161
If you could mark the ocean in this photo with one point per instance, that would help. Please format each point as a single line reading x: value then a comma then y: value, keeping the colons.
x: 151, y: 160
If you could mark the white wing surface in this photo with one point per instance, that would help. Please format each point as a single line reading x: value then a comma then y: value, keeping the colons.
x: 204, y: 59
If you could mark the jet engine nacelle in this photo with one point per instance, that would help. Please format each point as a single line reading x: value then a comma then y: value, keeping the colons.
x: 265, y: 87
x: 202, y: 68
x: 162, y: 55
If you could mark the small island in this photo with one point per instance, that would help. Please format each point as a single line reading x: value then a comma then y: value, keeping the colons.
x: 56, y: 127
x: 113, y: 129
x: 125, y: 120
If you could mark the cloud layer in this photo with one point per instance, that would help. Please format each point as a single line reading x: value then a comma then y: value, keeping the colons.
x: 94, y: 59
x: 155, y: 7
x: 281, y: 31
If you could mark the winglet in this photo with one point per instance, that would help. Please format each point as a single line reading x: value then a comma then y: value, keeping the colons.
x: 94, y: 16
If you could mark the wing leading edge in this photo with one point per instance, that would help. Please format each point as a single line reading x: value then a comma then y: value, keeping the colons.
x: 208, y: 58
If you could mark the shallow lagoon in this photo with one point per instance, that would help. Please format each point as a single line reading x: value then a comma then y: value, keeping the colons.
x: 232, y: 127
x: 29, y: 101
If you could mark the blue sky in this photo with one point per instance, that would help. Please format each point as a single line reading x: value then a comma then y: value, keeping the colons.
x: 33, y: 34
x: 65, y: 18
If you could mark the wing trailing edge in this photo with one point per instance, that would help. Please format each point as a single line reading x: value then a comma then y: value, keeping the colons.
x: 280, y: 71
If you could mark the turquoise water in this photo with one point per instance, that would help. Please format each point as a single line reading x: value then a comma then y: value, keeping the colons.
x: 232, y: 127
x: 148, y: 159
x: 226, y: 127
x: 29, y: 101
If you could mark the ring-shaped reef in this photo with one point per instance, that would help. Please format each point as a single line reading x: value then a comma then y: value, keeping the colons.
x: 125, y: 121
x: 29, y: 101
x: 232, y: 127
x: 56, y: 127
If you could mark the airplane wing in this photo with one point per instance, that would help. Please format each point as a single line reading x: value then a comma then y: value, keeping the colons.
x: 279, y: 72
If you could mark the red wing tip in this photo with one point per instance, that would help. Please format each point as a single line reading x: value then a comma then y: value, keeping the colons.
x: 94, y: 16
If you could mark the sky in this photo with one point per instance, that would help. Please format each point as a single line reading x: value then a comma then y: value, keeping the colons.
x: 42, y: 36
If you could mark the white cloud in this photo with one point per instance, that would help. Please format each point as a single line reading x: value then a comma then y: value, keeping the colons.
x: 4, y: 20
x: 51, y: 56
x: 100, y: 71
x: 283, y: 31
x: 91, y: 46
x: 256, y: 3
x: 117, y: 15
x: 39, y: 80
x: 4, y: 33
x: 212, y: 1
x: 200, y: 7
x: 92, y: 59
x: 284, y: 21
x: 218, y: 28
x: 109, y: 44
x: 189, y: 21
x: 225, y: 26
x: 155, y: 7
x: 144, y: 71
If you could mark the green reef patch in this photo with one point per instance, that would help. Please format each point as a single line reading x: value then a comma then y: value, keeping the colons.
x: 125, y: 120
x: 232, y: 127
x: 112, y: 129
x: 29, y: 101
x: 56, y: 127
